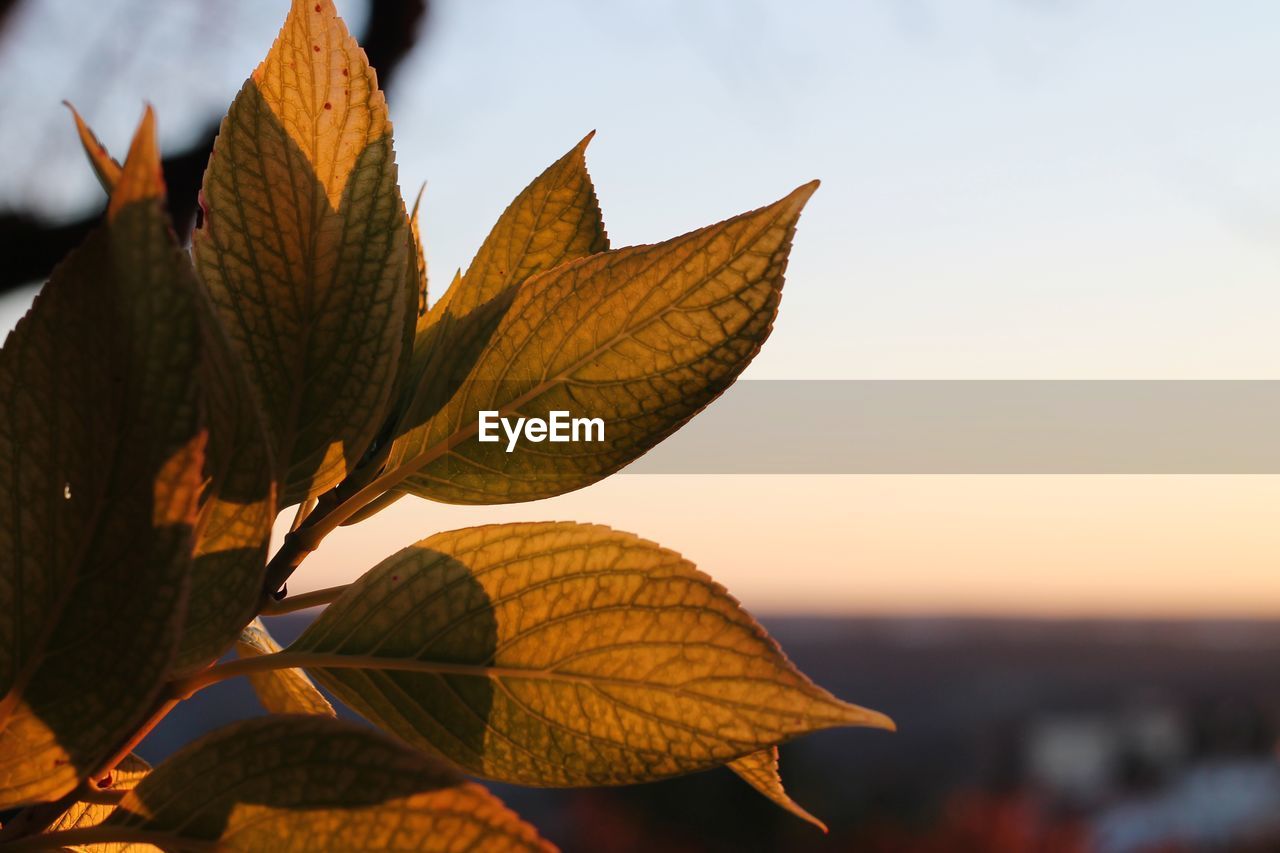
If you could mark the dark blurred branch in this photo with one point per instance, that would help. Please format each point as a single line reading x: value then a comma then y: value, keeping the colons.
x: 33, y: 247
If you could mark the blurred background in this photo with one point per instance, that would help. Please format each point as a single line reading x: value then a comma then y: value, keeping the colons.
x: 1012, y: 189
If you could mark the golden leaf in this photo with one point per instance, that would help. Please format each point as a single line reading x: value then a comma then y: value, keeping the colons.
x: 642, y: 338
x: 285, y: 783
x: 553, y: 220
x: 760, y: 771
x: 101, y: 453
x: 303, y: 248
x: 238, y: 505
x: 281, y: 691
x: 104, y: 165
x: 561, y: 654
x: 82, y: 815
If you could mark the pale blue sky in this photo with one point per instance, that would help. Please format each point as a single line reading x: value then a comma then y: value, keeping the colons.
x: 1011, y: 188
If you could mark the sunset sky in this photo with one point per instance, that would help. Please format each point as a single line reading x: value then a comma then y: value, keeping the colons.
x: 1011, y: 189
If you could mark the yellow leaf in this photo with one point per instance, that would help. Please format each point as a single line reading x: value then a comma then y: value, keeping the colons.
x: 238, y: 505
x: 561, y: 654
x: 553, y: 220
x: 760, y: 771
x: 418, y: 265
x: 303, y: 248
x: 304, y: 783
x: 101, y: 453
x: 281, y: 691
x: 82, y: 815
x: 104, y: 165
x: 642, y: 338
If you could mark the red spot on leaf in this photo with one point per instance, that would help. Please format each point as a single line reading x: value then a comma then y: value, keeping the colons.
x: 316, y: 48
x: 317, y: 7
x: 328, y: 106
x: 344, y: 72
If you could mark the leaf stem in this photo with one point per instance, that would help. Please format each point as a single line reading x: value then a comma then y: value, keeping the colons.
x: 304, y: 509
x: 328, y: 660
x: 302, y: 601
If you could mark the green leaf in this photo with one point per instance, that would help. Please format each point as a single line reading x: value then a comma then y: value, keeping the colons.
x: 642, y: 338
x: 303, y: 248
x: 306, y: 783
x: 101, y: 452
x: 238, y: 505
x: 82, y: 814
x: 553, y: 220
x: 561, y: 654
x: 760, y: 771
x: 281, y: 691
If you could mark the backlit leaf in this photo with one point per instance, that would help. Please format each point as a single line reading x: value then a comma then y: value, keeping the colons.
x: 104, y: 165
x: 553, y: 220
x: 303, y: 247
x: 281, y: 691
x: 642, y: 338
x: 760, y: 771
x: 238, y: 504
x: 561, y: 654
x: 101, y: 453
x: 82, y: 815
x: 305, y: 783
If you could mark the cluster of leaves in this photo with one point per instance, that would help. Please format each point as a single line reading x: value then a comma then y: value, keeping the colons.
x: 162, y: 405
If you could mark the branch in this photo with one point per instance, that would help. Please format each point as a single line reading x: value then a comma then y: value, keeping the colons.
x: 294, y: 603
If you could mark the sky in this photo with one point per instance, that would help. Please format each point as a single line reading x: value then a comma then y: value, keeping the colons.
x: 1011, y: 189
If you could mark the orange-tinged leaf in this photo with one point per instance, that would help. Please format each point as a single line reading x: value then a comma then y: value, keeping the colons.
x: 553, y: 220
x: 760, y: 771
x: 238, y: 504
x: 642, y: 338
x: 82, y: 815
x: 101, y: 452
x: 281, y: 691
x: 561, y: 654
x: 104, y: 165
x: 286, y: 783
x: 418, y: 264
x: 303, y: 248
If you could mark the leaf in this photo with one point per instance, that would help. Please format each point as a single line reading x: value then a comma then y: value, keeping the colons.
x: 553, y: 220
x: 303, y: 248
x: 281, y: 691
x: 642, y: 338
x: 82, y: 815
x: 305, y: 783
x: 101, y: 452
x: 104, y: 165
x: 238, y: 505
x: 418, y: 265
x: 561, y: 654
x: 760, y: 771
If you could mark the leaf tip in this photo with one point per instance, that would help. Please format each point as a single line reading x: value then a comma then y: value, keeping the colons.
x: 803, y: 193
x: 104, y: 166
x: 140, y: 177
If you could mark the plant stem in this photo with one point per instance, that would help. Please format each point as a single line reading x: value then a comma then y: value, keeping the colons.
x: 327, y: 660
x: 167, y: 704
x: 101, y: 796
x: 304, y: 600
x: 304, y: 509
